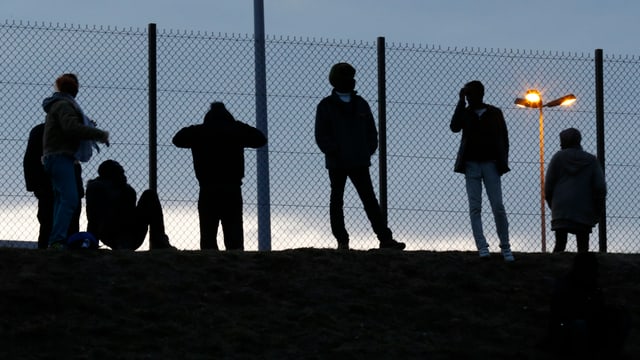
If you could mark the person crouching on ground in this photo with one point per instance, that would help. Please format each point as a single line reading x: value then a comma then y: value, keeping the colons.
x: 114, y: 217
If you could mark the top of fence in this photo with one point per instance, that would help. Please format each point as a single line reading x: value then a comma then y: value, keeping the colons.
x: 292, y: 39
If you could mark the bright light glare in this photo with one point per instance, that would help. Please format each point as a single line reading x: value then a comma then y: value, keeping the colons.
x: 568, y: 101
x: 533, y: 96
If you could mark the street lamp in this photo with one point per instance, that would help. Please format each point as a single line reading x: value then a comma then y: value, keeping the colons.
x: 533, y: 99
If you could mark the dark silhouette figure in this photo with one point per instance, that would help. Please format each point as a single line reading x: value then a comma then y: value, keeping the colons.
x: 582, y: 325
x: 114, y: 217
x: 217, y: 146
x: 575, y: 190
x: 38, y: 182
x: 69, y: 137
x: 483, y: 157
x: 346, y: 133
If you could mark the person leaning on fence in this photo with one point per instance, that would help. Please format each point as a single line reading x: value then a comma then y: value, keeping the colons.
x: 346, y: 133
x: 482, y: 157
x: 575, y: 190
x: 69, y: 137
x: 116, y: 219
x: 38, y: 182
x: 217, y: 146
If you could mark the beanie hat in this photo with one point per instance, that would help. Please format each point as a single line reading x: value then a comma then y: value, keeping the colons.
x: 341, y: 77
x: 570, y: 138
x: 218, y: 112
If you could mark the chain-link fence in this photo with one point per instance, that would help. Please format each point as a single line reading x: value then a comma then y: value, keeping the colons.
x: 427, y: 204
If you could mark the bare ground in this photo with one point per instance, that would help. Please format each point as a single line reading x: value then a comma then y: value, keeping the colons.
x: 295, y: 304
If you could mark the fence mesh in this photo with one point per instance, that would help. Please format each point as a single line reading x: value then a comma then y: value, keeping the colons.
x: 427, y: 204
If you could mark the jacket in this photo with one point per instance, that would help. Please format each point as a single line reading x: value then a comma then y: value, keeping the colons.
x: 64, y: 127
x: 345, y: 131
x: 494, y: 135
x: 575, y: 187
x: 217, y: 146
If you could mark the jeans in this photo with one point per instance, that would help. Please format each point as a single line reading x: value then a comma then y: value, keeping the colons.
x: 476, y: 174
x: 65, y: 194
x: 362, y: 182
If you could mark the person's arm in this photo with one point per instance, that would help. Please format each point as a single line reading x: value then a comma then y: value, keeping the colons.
x: 551, y: 178
x: 324, y: 132
x: 372, y: 132
x: 459, y: 115
x: 34, y: 175
x: 249, y: 136
x: 185, y: 137
x: 72, y: 124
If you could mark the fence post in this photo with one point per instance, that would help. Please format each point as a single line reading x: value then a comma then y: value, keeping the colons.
x: 602, y: 224
x: 382, y: 127
x: 264, y: 201
x: 153, y: 115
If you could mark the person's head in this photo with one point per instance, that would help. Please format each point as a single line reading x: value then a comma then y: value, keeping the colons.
x: 342, y: 77
x: 68, y: 84
x: 218, y: 112
x: 474, y: 92
x: 112, y: 170
x: 570, y: 139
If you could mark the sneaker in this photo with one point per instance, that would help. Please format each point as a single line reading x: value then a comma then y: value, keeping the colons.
x: 57, y: 246
x: 392, y: 244
x: 162, y: 243
x: 507, y: 255
x: 484, y: 253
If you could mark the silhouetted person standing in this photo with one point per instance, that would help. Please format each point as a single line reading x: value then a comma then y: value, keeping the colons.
x: 217, y: 146
x: 346, y: 133
x: 38, y: 182
x: 483, y: 158
x: 116, y: 219
x: 69, y: 137
x: 575, y: 190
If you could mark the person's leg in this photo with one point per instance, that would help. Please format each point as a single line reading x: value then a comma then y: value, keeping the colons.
x: 74, y: 226
x: 209, y: 217
x: 361, y: 180
x: 473, y: 183
x: 60, y: 169
x: 231, y: 218
x: 150, y: 216
x: 561, y: 240
x: 493, y: 186
x: 582, y: 239
x: 338, y: 179
x: 45, y: 217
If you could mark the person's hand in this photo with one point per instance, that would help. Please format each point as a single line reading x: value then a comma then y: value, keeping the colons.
x: 462, y: 94
x: 105, y: 138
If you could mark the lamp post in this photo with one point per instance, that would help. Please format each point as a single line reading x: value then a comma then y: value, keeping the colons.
x: 533, y: 99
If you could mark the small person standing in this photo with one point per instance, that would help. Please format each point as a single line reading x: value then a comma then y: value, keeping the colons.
x: 575, y: 190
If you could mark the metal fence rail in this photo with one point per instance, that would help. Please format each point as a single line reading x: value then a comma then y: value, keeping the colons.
x: 427, y: 206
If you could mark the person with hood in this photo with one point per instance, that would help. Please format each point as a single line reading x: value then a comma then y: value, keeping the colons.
x: 575, y: 190
x: 346, y: 133
x: 69, y: 136
x: 483, y: 158
x: 38, y: 182
x: 217, y: 146
x: 116, y: 219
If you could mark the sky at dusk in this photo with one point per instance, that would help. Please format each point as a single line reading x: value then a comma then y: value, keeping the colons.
x: 548, y: 25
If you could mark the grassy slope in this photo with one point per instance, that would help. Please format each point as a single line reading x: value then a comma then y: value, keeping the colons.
x: 304, y: 303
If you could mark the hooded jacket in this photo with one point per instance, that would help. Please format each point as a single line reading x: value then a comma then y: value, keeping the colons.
x: 345, y: 131
x: 575, y: 187
x: 217, y: 146
x: 64, y: 126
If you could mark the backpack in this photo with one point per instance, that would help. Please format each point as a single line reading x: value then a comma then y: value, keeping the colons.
x: 82, y: 240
